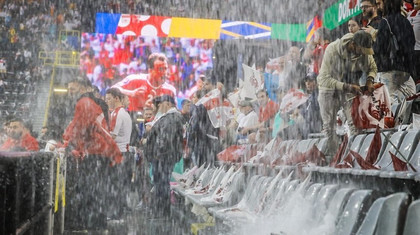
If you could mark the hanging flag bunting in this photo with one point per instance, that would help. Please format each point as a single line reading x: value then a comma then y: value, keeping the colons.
x: 143, y: 25
x: 195, y: 28
x: 244, y: 29
x: 312, y: 26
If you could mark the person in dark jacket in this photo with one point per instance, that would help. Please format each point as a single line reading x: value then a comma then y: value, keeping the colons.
x: 394, y: 60
x: 163, y: 149
x: 202, y: 137
x: 311, y: 112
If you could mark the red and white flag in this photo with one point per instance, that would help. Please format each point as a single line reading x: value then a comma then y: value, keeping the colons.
x: 293, y: 99
x: 219, y: 111
x: 253, y: 81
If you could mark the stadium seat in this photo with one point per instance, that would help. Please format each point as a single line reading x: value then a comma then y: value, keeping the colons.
x: 391, y: 217
x: 371, y: 219
x: 338, y: 202
x: 323, y: 200
x: 354, y: 212
x: 412, y: 221
x: 406, y: 148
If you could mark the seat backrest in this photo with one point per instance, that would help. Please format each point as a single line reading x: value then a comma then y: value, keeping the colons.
x: 303, y: 145
x: 412, y: 221
x: 415, y: 158
x: 324, y: 198
x: 395, y: 109
x: 322, y: 144
x: 407, y: 147
x: 393, y: 143
x: 391, y: 217
x: 356, y: 143
x: 338, y: 202
x: 312, y: 193
x: 354, y: 212
x: 371, y: 219
x: 366, y: 144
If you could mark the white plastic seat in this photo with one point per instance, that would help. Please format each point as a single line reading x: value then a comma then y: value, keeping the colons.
x: 412, y: 225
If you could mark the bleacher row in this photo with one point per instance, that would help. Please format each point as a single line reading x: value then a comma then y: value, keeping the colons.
x: 220, y: 203
x: 246, y: 192
x: 16, y: 97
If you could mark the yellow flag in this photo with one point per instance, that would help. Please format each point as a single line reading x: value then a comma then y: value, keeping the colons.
x: 195, y: 28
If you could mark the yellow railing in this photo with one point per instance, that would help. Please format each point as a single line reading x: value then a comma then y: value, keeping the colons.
x: 60, y: 58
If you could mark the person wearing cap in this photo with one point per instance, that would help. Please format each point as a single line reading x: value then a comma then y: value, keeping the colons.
x: 311, y: 112
x: 345, y: 61
x: 249, y: 119
x: 394, y: 65
x: 164, y: 147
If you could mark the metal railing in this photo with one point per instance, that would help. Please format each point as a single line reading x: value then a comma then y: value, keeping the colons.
x: 26, y: 183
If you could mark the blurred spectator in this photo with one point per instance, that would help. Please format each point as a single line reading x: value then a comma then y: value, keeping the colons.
x: 310, y: 110
x: 248, y: 120
x: 316, y: 48
x: 19, y: 137
x: 393, y: 48
x: 294, y: 69
x: 345, y: 61
x: 370, y: 17
x: 414, y: 18
x: 353, y: 25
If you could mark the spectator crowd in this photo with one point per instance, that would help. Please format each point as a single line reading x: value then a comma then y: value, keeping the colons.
x: 127, y: 91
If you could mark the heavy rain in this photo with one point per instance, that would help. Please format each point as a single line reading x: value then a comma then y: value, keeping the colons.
x: 209, y: 117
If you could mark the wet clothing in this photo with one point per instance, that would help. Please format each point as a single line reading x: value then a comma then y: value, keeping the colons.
x: 338, y: 63
x: 136, y: 81
x: 312, y: 115
x: 26, y: 143
x: 339, y: 67
x: 202, y: 137
x: 374, y: 22
x: 404, y: 34
x: 88, y: 132
x: 121, y: 127
x: 414, y: 18
x: 164, y: 148
x: 90, y: 152
x: 395, y: 67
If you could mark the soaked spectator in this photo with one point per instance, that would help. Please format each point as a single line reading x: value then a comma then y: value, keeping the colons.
x: 266, y: 113
x: 248, y: 120
x: 163, y: 149
x: 393, y: 48
x: 294, y: 70
x: 202, y: 137
x: 310, y: 111
x: 19, y: 137
x: 316, y: 48
x: 345, y: 61
x: 92, y: 151
x: 414, y: 18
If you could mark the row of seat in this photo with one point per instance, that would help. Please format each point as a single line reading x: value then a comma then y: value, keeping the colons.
x: 282, y: 205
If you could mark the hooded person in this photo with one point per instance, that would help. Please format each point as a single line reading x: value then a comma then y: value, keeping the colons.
x: 346, y: 61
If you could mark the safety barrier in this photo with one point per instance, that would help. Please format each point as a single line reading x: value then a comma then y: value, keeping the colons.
x: 26, y: 182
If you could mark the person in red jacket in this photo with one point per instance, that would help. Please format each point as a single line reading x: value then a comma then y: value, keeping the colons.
x: 20, y: 138
x: 91, y: 151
